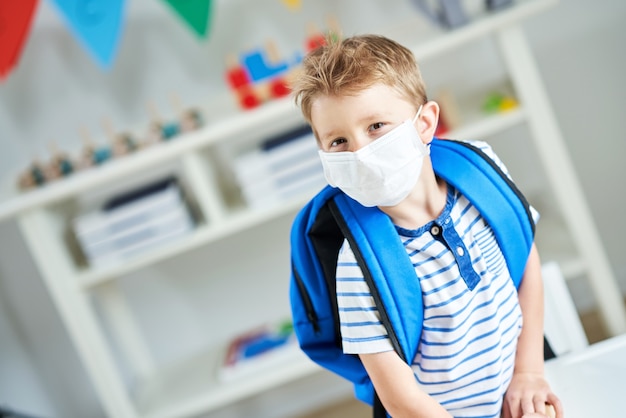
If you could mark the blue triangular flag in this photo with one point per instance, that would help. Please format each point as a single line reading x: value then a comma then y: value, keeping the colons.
x: 97, y: 23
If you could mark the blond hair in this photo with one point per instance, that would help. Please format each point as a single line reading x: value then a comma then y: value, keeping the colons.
x: 348, y: 66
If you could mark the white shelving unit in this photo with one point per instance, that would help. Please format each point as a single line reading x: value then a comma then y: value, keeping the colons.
x: 191, y: 388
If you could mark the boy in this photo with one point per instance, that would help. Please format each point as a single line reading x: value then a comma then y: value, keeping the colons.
x: 366, y: 103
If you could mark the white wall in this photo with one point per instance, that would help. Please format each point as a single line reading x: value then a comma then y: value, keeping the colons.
x: 57, y: 88
x: 582, y: 61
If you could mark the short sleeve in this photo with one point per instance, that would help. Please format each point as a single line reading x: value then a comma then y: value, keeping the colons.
x: 361, y: 329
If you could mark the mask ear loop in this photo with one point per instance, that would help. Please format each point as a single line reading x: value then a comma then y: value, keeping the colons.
x: 419, y: 110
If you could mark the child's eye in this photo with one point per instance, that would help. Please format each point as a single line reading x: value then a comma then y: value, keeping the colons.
x: 376, y: 126
x: 337, y: 142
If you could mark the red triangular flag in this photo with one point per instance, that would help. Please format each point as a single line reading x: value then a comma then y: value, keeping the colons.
x: 16, y: 18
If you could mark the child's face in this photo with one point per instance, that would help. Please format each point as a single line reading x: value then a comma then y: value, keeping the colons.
x: 348, y: 123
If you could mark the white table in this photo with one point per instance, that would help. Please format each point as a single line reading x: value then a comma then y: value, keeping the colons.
x: 591, y: 382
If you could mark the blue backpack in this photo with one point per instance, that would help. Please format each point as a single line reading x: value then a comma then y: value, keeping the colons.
x: 331, y: 216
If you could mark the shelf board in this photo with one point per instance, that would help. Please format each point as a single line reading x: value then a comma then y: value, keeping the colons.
x: 193, y: 387
x: 435, y: 40
x: 480, y: 126
x: 204, y: 234
x: 283, y: 111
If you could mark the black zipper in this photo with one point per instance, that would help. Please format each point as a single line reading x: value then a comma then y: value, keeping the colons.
x: 306, y: 300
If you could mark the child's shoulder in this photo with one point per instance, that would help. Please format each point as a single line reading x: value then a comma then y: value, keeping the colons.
x: 482, y: 145
x: 488, y: 150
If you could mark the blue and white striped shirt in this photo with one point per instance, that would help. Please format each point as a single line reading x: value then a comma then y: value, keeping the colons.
x: 472, y: 317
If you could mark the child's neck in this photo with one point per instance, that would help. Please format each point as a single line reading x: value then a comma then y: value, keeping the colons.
x: 424, y: 204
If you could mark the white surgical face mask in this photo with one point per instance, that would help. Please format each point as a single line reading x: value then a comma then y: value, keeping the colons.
x: 382, y: 173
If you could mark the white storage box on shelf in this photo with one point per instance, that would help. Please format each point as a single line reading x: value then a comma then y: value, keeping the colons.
x: 280, y: 169
x: 133, y: 223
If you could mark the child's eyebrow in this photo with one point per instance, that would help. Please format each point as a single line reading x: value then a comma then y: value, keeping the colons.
x: 373, y: 117
x: 333, y: 132
x: 325, y: 135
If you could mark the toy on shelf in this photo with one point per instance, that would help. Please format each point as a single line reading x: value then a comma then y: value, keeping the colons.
x: 39, y: 172
x: 159, y: 130
x: 449, y: 113
x: 33, y: 176
x: 293, y: 5
x: 189, y: 119
x: 122, y: 143
x: 315, y: 38
x: 91, y: 154
x: 60, y: 164
x: 63, y: 163
x: 260, y: 75
x: 442, y: 128
x: 119, y: 144
x: 499, y: 102
x: 259, y: 350
x: 240, y: 83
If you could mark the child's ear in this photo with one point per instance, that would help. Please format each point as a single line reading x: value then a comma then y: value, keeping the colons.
x: 427, y: 121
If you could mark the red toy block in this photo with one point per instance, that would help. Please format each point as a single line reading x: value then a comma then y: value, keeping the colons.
x: 315, y: 41
x: 248, y: 98
x: 279, y: 88
x: 237, y: 77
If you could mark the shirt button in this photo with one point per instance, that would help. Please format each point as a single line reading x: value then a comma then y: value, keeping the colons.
x: 460, y: 251
x: 435, y: 230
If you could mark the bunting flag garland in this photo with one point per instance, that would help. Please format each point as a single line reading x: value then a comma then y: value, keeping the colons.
x: 293, y: 5
x: 16, y: 18
x: 97, y: 23
x: 196, y: 13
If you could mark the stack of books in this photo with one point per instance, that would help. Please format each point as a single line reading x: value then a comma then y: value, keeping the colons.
x: 133, y: 223
x: 281, y: 168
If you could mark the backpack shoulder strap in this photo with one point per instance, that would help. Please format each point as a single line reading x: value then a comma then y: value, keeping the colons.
x: 389, y: 275
x: 317, y: 234
x: 479, y: 178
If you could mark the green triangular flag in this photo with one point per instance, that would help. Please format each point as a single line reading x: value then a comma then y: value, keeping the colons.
x: 196, y: 13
